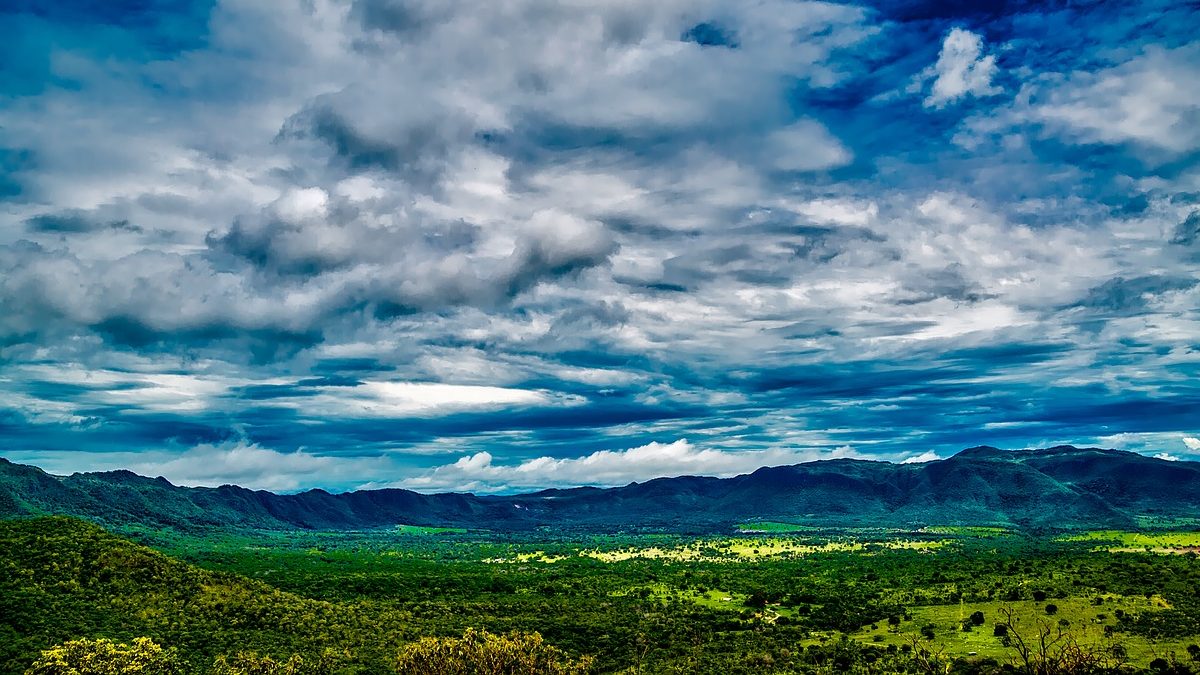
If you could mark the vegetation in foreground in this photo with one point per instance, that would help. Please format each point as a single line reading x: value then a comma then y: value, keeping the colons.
x: 77, y: 599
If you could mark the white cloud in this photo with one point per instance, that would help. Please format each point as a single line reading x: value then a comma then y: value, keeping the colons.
x: 385, y: 399
x: 1160, y: 444
x: 234, y: 463
x: 1149, y: 100
x: 961, y: 70
x: 836, y: 211
x: 1166, y: 457
x: 806, y: 146
x: 250, y: 466
x: 927, y: 456
x: 479, y: 472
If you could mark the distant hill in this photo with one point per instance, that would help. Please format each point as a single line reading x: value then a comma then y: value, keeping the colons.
x: 1062, y: 487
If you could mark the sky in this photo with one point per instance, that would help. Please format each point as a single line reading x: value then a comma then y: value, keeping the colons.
x: 512, y: 244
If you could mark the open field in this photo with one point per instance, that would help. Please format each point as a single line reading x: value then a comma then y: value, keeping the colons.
x: 1132, y: 542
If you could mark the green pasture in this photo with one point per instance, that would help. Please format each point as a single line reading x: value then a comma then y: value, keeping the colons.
x: 1078, y: 617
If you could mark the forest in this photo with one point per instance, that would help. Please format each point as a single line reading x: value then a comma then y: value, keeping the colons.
x: 766, y: 598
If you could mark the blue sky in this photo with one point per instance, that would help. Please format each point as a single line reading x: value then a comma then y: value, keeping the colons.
x: 499, y: 246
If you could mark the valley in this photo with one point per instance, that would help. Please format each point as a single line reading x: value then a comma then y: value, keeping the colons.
x: 878, y: 600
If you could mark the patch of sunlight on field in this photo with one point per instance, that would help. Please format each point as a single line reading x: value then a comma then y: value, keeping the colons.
x: 737, y: 549
x: 968, y: 531
x: 1118, y: 541
x: 1085, y: 622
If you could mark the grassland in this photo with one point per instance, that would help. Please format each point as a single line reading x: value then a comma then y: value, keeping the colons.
x: 1132, y: 542
x: 1079, y: 617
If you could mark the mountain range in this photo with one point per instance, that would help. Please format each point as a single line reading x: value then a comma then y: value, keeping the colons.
x: 1054, y: 488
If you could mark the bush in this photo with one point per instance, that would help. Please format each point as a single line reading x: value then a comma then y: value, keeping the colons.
x: 105, y: 657
x: 483, y: 653
x: 249, y: 663
x: 1052, y: 609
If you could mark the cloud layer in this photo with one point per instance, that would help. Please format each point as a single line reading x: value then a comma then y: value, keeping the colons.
x: 513, y: 245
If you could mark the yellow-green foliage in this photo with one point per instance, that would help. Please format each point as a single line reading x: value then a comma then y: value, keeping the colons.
x: 483, y: 653
x: 105, y: 657
x: 1118, y: 541
x: 249, y: 663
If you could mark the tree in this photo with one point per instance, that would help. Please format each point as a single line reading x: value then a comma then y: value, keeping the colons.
x: 249, y: 663
x: 1052, y: 609
x: 757, y: 599
x: 977, y: 618
x: 105, y: 657
x: 1049, y: 650
x: 484, y: 653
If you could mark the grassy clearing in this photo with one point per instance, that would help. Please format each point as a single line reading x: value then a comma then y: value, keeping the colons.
x: 746, y: 549
x: 1118, y: 541
x: 733, y: 549
x: 1084, y: 620
x: 968, y: 531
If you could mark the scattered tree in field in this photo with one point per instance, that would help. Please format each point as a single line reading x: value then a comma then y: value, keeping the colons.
x: 977, y: 618
x: 757, y: 599
x: 484, y: 653
x: 1052, y: 609
x: 105, y: 657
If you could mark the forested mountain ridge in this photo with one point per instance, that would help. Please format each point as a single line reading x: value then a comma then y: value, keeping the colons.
x: 1055, y: 487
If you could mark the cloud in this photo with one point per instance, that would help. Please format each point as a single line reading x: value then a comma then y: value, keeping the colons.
x: 927, y: 456
x: 382, y: 399
x: 231, y: 463
x: 1192, y: 443
x: 251, y: 466
x: 1146, y: 101
x: 961, y: 70
x: 479, y: 472
x: 424, y: 230
x: 806, y: 146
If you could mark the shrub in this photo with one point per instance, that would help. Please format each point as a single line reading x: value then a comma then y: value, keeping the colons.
x: 105, y: 657
x: 483, y: 653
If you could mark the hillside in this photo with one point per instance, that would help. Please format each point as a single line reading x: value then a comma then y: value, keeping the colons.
x: 62, y: 578
x: 1060, y: 487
